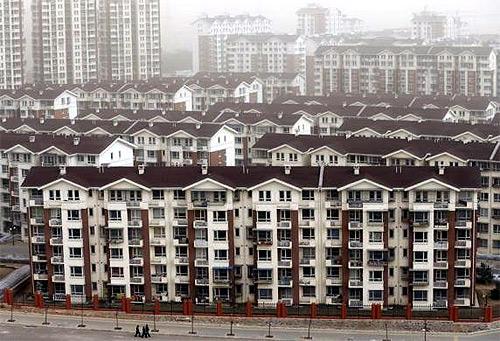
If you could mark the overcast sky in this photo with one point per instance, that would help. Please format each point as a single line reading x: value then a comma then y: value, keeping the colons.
x: 483, y: 15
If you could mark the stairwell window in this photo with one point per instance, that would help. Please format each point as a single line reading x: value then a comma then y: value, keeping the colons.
x: 73, y: 195
x: 73, y: 215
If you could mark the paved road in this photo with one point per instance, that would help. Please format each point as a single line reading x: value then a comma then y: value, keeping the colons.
x: 29, y: 327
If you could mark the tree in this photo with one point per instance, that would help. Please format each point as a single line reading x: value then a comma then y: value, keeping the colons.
x: 484, y: 274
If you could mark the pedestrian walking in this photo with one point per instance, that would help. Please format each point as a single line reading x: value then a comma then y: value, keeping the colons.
x: 143, y: 332
x: 137, y: 331
x: 147, y: 331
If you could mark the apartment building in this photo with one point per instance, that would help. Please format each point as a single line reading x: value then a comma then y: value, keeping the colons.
x: 388, y: 235
x: 279, y: 150
x: 315, y: 20
x: 21, y: 152
x: 11, y: 44
x: 211, y: 34
x: 416, y: 70
x: 130, y: 40
x: 432, y: 26
x: 75, y: 42
x: 33, y: 102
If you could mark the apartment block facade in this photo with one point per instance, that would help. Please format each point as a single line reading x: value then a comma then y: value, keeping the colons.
x: 11, y: 44
x: 416, y: 70
x: 388, y: 235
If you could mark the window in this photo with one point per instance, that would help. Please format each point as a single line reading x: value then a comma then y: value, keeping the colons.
x: 286, y: 196
x: 308, y: 214
x: 309, y: 291
x: 375, y: 217
x: 264, y: 195
x: 76, y: 271
x: 55, y: 194
x: 376, y: 276
x: 264, y: 216
x: 75, y: 252
x: 375, y: 295
x: 375, y: 196
x: 333, y: 234
x: 420, y: 256
x: 115, y: 195
x: 77, y: 290
x: 375, y: 237
x: 220, y: 235
x: 307, y: 195
x: 116, y: 253
x: 179, y: 194
x: 158, y: 213
x: 115, y: 215
x: 220, y: 254
x: 419, y: 295
x: 73, y: 195
x: 117, y: 272
x: 219, y: 216
x: 74, y: 234
x: 332, y: 214
x: 158, y: 194
x: 264, y: 255
x: 73, y: 215
x: 420, y: 237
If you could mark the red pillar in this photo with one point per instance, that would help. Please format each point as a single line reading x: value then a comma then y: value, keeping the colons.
x: 248, y: 309
x: 128, y: 305
x: 379, y: 311
x: 278, y: 309
x: 343, y: 311
x: 408, y: 312
x: 7, y: 296
x: 41, y: 302
x: 453, y: 313
x: 374, y: 313
x: 38, y: 300
x: 157, y: 306
x: 218, y: 309
x: 284, y: 310
x: 95, y: 302
x: 314, y: 310
x: 124, y: 304
x: 68, y: 302
x: 488, y: 314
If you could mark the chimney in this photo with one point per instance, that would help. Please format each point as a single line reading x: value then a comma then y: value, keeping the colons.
x: 198, y: 126
x: 115, y: 123
x: 140, y: 169
x: 72, y: 122
x: 280, y: 115
x: 356, y: 170
x: 204, y: 169
x: 441, y: 170
x: 32, y: 138
x: 62, y: 170
x: 76, y: 141
x: 42, y: 120
x: 150, y: 123
x: 288, y: 169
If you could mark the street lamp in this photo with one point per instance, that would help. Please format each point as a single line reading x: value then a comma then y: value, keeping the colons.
x: 425, y: 330
x: 45, y: 322
x: 154, y: 330
x: 117, y: 327
x: 81, y: 325
x: 309, y: 337
x: 192, y: 332
x: 386, y: 333
x: 269, y: 330
x: 11, y: 229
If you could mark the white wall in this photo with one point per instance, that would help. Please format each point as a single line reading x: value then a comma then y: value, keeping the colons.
x: 224, y: 139
x: 117, y: 154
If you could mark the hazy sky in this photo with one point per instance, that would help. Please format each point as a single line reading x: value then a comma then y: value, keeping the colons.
x: 177, y: 15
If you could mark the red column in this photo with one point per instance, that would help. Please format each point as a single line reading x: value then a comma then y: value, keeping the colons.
x: 453, y: 313
x: 95, y: 302
x: 408, y: 312
x: 7, y: 297
x: 128, y: 305
x: 68, y: 302
x: 374, y: 312
x: 124, y: 304
x: 278, y: 309
x: 488, y: 314
x: 248, y: 309
x: 343, y: 311
x: 314, y: 310
x: 218, y: 309
x: 157, y: 307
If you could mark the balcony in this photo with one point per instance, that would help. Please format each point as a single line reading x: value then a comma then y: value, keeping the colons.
x: 307, y: 281
x: 200, y: 224
x: 332, y: 203
x: 285, y: 224
x: 265, y: 242
x: 181, y: 260
x: 333, y: 281
x: 36, y: 221
x: 40, y: 277
x: 355, y: 303
x: 135, y: 223
x: 354, y: 204
x: 137, y: 242
x: 180, y: 222
x: 180, y: 241
x: 57, y: 278
x: 133, y: 203
x: 463, y: 224
x: 462, y: 282
x: 115, y: 240
x: 200, y: 243
x: 138, y: 260
x: 56, y: 241
x: 420, y: 282
x: 441, y: 205
x: 335, y: 261
x: 38, y: 240
x: 306, y: 223
x: 287, y: 282
x: 307, y: 242
x: 441, y: 225
x: 57, y: 260
x: 441, y: 265
x: 441, y: 245
x: 264, y: 280
x: 284, y: 263
x: 462, y: 301
x: 355, y: 264
x: 201, y: 281
x: 200, y: 262
x: 463, y: 263
x: 116, y: 224
x: 156, y: 241
x: 355, y: 283
x: 308, y: 261
x: 159, y: 278
x: 355, y: 225
x: 284, y: 243
x: 36, y: 201
x: 157, y: 222
x: 421, y: 224
x: 441, y: 284
x: 440, y: 304
x: 378, y: 263
x: 355, y: 244
x: 55, y: 222
x: 463, y: 244
x: 39, y: 258
x: 137, y: 280
x: 159, y: 260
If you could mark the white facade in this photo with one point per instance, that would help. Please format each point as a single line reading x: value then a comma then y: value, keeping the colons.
x: 11, y: 44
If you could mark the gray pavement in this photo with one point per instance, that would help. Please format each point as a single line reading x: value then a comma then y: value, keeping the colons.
x: 29, y: 326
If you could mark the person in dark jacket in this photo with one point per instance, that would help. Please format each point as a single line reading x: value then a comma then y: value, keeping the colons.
x: 147, y: 331
x: 137, y: 331
x: 143, y: 332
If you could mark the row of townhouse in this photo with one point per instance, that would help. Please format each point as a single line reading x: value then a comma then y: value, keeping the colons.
x: 38, y: 102
x: 417, y: 70
x: 459, y: 109
x: 195, y: 93
x: 329, y: 235
x: 279, y: 150
x: 20, y: 152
